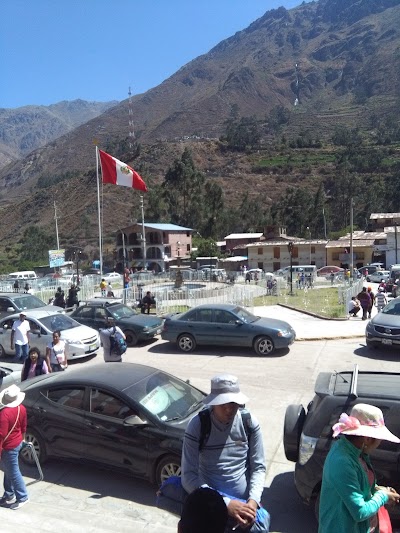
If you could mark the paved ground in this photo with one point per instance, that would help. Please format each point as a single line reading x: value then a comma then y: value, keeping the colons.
x: 75, y: 498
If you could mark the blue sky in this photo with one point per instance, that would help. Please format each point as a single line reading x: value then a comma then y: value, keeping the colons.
x: 53, y: 50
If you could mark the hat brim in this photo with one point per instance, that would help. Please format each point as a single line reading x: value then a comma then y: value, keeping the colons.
x: 20, y: 398
x: 228, y: 397
x: 381, y: 433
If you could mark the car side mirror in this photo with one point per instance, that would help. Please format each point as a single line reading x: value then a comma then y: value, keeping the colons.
x: 238, y: 322
x: 134, y: 420
x: 36, y: 332
x: 10, y: 309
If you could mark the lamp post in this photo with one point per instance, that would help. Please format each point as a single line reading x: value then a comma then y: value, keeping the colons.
x: 309, y: 236
x: 290, y: 248
x: 77, y: 258
x: 178, y: 253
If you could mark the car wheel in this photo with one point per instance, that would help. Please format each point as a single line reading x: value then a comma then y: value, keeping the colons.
x: 131, y: 338
x: 264, y: 345
x: 169, y: 465
x: 38, y: 444
x: 186, y: 342
x: 293, y: 426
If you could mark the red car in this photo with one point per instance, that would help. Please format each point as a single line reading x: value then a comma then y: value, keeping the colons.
x: 325, y: 271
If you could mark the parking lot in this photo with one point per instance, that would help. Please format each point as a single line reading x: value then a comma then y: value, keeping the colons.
x: 74, y: 496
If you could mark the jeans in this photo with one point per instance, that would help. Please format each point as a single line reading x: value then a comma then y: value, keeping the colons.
x: 21, y: 351
x: 13, y: 481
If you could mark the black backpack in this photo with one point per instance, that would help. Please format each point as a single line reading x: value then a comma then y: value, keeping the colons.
x: 205, y: 426
x: 118, y: 345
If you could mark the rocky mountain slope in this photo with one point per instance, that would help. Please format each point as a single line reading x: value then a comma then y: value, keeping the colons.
x: 24, y: 129
x: 330, y: 63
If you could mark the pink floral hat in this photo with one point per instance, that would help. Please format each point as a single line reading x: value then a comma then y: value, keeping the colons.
x: 364, y: 421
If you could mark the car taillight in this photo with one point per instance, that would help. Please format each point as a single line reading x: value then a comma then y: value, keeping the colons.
x: 306, y: 448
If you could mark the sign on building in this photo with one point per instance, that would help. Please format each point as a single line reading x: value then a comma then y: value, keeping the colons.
x: 56, y: 258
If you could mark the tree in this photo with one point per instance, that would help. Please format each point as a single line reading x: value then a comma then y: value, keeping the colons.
x: 241, y: 134
x: 35, y: 245
x: 182, y: 191
x: 213, y: 207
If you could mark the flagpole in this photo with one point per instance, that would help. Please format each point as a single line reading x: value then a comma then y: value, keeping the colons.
x: 143, y: 234
x: 98, y: 211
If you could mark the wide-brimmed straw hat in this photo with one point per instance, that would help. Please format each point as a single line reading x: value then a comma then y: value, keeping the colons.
x: 11, y: 397
x: 225, y: 389
x: 364, y: 421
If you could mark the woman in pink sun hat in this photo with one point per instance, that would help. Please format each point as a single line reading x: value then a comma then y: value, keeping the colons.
x: 350, y: 499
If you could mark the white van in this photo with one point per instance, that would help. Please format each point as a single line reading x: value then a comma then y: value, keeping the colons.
x: 22, y: 276
x: 299, y: 269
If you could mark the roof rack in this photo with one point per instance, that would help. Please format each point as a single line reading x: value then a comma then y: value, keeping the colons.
x: 353, y: 386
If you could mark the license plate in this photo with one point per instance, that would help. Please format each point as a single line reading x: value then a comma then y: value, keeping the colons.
x: 92, y: 347
x: 387, y: 341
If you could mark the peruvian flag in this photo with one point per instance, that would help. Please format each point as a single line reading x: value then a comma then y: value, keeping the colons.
x: 115, y: 171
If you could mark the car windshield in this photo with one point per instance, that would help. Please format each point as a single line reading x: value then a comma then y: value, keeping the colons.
x: 244, y: 315
x: 59, y: 322
x: 166, y: 397
x: 121, y: 311
x: 27, y: 302
x: 392, y: 308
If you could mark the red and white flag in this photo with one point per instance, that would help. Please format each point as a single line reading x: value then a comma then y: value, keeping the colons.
x: 115, y: 171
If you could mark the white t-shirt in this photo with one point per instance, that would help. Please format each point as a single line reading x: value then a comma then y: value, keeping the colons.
x: 58, y: 353
x: 20, y: 329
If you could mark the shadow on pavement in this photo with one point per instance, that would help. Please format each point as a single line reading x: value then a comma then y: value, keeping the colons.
x: 387, y: 354
x: 288, y: 513
x: 99, y: 483
x: 222, y: 351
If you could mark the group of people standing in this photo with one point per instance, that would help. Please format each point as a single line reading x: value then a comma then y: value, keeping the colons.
x: 365, y: 301
x: 72, y: 298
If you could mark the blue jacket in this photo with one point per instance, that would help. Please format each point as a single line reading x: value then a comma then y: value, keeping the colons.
x: 346, y: 503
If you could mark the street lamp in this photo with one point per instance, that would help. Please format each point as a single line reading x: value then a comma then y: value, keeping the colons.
x: 290, y: 248
x: 77, y: 258
x: 309, y: 236
x: 178, y: 252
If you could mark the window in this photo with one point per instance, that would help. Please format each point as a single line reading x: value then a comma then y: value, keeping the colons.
x: 204, y: 315
x: 277, y: 252
x: 67, y: 397
x: 312, y: 251
x: 223, y: 317
x: 188, y: 247
x: 295, y: 252
x: 102, y: 403
x: 100, y: 313
x: 85, y: 312
x: 259, y: 251
x: 335, y: 256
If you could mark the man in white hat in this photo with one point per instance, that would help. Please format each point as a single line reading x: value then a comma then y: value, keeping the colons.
x: 229, y: 455
x: 12, y: 434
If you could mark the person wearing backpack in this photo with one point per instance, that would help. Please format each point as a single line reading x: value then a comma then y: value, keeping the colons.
x: 223, y: 448
x: 111, y: 339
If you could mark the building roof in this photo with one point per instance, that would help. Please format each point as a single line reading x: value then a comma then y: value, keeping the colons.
x: 234, y: 259
x: 161, y: 226
x: 244, y: 236
x: 296, y: 242
x: 376, y: 216
x: 343, y: 243
x: 364, y: 235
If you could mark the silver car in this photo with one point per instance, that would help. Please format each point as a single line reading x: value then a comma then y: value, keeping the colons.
x: 384, y: 328
x: 82, y: 340
x: 10, y: 374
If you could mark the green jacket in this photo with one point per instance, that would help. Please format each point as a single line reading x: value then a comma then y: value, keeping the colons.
x: 346, y: 503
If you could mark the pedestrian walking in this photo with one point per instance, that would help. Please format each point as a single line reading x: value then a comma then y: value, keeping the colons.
x: 12, y: 432
x: 57, y: 354
x: 110, y: 355
x: 380, y: 299
x: 103, y: 287
x: 16, y: 286
x: 364, y: 299
x: 371, y: 303
x: 332, y: 277
x: 19, y: 337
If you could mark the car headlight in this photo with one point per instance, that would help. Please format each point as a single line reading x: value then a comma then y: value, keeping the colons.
x: 146, y: 329
x: 369, y: 327
x: 283, y: 333
x: 306, y: 448
x: 74, y: 342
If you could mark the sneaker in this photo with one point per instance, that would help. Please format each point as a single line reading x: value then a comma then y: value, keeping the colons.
x: 18, y: 505
x: 7, y: 500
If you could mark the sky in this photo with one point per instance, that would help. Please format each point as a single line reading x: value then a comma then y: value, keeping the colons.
x: 54, y: 50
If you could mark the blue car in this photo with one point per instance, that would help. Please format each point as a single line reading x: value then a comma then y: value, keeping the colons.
x: 226, y: 325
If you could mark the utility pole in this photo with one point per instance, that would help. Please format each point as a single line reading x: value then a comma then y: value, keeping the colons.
x: 55, y: 218
x: 351, y: 241
x: 143, y: 233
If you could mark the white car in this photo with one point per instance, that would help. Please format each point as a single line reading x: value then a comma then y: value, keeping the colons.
x: 112, y: 276
x: 10, y: 374
x: 82, y: 340
x: 378, y: 276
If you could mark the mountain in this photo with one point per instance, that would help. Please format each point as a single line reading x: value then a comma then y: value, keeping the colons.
x: 328, y: 63
x: 24, y: 129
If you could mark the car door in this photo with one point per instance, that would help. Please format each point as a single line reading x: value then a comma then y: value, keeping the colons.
x: 85, y: 315
x: 61, y: 420
x: 5, y: 336
x: 227, y: 331
x: 199, y: 323
x: 109, y: 441
x: 99, y: 319
x: 38, y: 336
